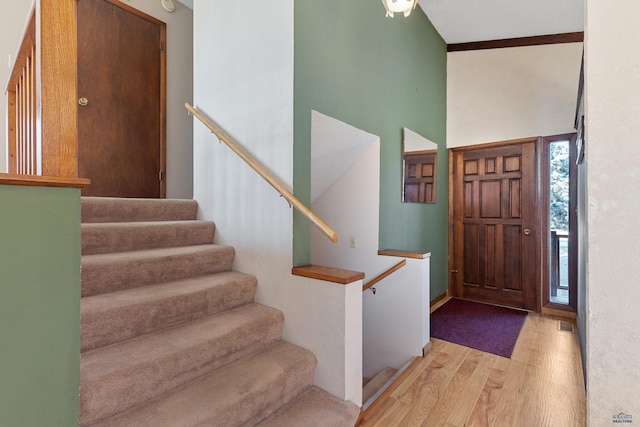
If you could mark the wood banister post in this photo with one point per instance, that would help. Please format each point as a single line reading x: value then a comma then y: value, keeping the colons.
x: 57, y: 87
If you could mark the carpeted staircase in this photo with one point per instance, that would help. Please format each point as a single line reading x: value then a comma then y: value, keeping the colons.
x: 171, y: 335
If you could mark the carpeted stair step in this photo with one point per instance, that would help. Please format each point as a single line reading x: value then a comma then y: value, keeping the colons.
x: 117, y: 316
x: 120, y: 376
x: 239, y: 394
x: 170, y: 335
x: 124, y: 270
x: 314, y: 408
x: 102, y: 238
x: 113, y: 209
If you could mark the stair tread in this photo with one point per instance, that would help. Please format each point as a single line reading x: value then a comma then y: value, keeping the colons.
x: 123, y: 374
x: 103, y: 273
x: 115, y: 209
x: 240, y: 393
x: 106, y: 237
x: 151, y: 253
x: 120, y: 315
x: 87, y: 225
x: 171, y: 335
x: 314, y: 408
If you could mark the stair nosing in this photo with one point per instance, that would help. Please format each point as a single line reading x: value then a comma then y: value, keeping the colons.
x: 148, y: 223
x: 152, y: 253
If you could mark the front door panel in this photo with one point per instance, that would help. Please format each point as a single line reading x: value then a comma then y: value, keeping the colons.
x: 494, y: 216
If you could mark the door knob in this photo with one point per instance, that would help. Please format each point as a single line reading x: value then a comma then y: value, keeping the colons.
x: 527, y: 231
x: 83, y: 101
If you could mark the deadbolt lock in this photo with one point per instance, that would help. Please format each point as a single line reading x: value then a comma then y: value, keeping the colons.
x: 83, y: 101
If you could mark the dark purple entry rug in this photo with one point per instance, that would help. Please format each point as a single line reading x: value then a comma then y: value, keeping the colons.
x: 481, y: 326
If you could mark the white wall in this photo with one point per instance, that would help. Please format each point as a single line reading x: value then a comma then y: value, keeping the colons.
x: 13, y: 21
x: 179, y: 83
x: 351, y: 207
x: 612, y: 83
x: 395, y: 321
x: 179, y: 171
x: 503, y: 94
x: 243, y: 79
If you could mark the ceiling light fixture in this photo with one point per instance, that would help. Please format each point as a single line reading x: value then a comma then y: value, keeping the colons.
x: 397, y: 6
x: 168, y: 5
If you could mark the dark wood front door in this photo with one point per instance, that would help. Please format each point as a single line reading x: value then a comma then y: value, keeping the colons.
x: 494, y: 216
x: 121, y: 76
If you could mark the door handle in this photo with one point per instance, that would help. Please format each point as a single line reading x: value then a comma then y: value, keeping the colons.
x: 527, y: 231
x: 83, y: 102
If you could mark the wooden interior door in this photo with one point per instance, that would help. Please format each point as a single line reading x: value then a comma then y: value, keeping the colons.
x: 121, y: 129
x: 494, y: 237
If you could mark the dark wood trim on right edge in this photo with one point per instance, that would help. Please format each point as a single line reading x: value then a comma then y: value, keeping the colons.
x: 518, y: 42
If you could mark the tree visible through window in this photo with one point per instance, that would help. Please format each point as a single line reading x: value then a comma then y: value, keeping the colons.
x: 559, y: 185
x: 559, y: 222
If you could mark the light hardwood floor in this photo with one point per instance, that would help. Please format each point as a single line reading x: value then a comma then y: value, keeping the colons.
x: 540, y: 385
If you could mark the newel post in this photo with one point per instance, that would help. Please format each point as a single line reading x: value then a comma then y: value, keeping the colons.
x: 57, y: 92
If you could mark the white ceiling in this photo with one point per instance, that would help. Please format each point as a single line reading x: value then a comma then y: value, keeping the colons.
x: 462, y: 21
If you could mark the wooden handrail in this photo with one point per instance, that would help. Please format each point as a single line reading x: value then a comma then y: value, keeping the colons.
x: 291, y: 199
x: 381, y: 276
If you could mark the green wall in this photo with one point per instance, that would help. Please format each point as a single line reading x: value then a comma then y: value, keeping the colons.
x: 39, y: 306
x: 380, y: 75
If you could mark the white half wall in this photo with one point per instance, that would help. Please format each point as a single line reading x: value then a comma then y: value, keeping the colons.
x: 510, y: 93
x: 612, y: 107
x: 243, y: 79
x: 395, y: 321
x: 13, y: 21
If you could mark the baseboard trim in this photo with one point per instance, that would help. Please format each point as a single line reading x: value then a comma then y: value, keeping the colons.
x: 558, y: 313
x: 438, y: 301
x: 427, y: 348
x: 377, y: 401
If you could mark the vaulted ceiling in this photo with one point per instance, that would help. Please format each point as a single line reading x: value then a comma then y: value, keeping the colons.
x: 463, y: 21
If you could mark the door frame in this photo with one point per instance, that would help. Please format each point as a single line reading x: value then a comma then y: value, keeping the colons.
x: 451, y: 236
x: 544, y: 223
